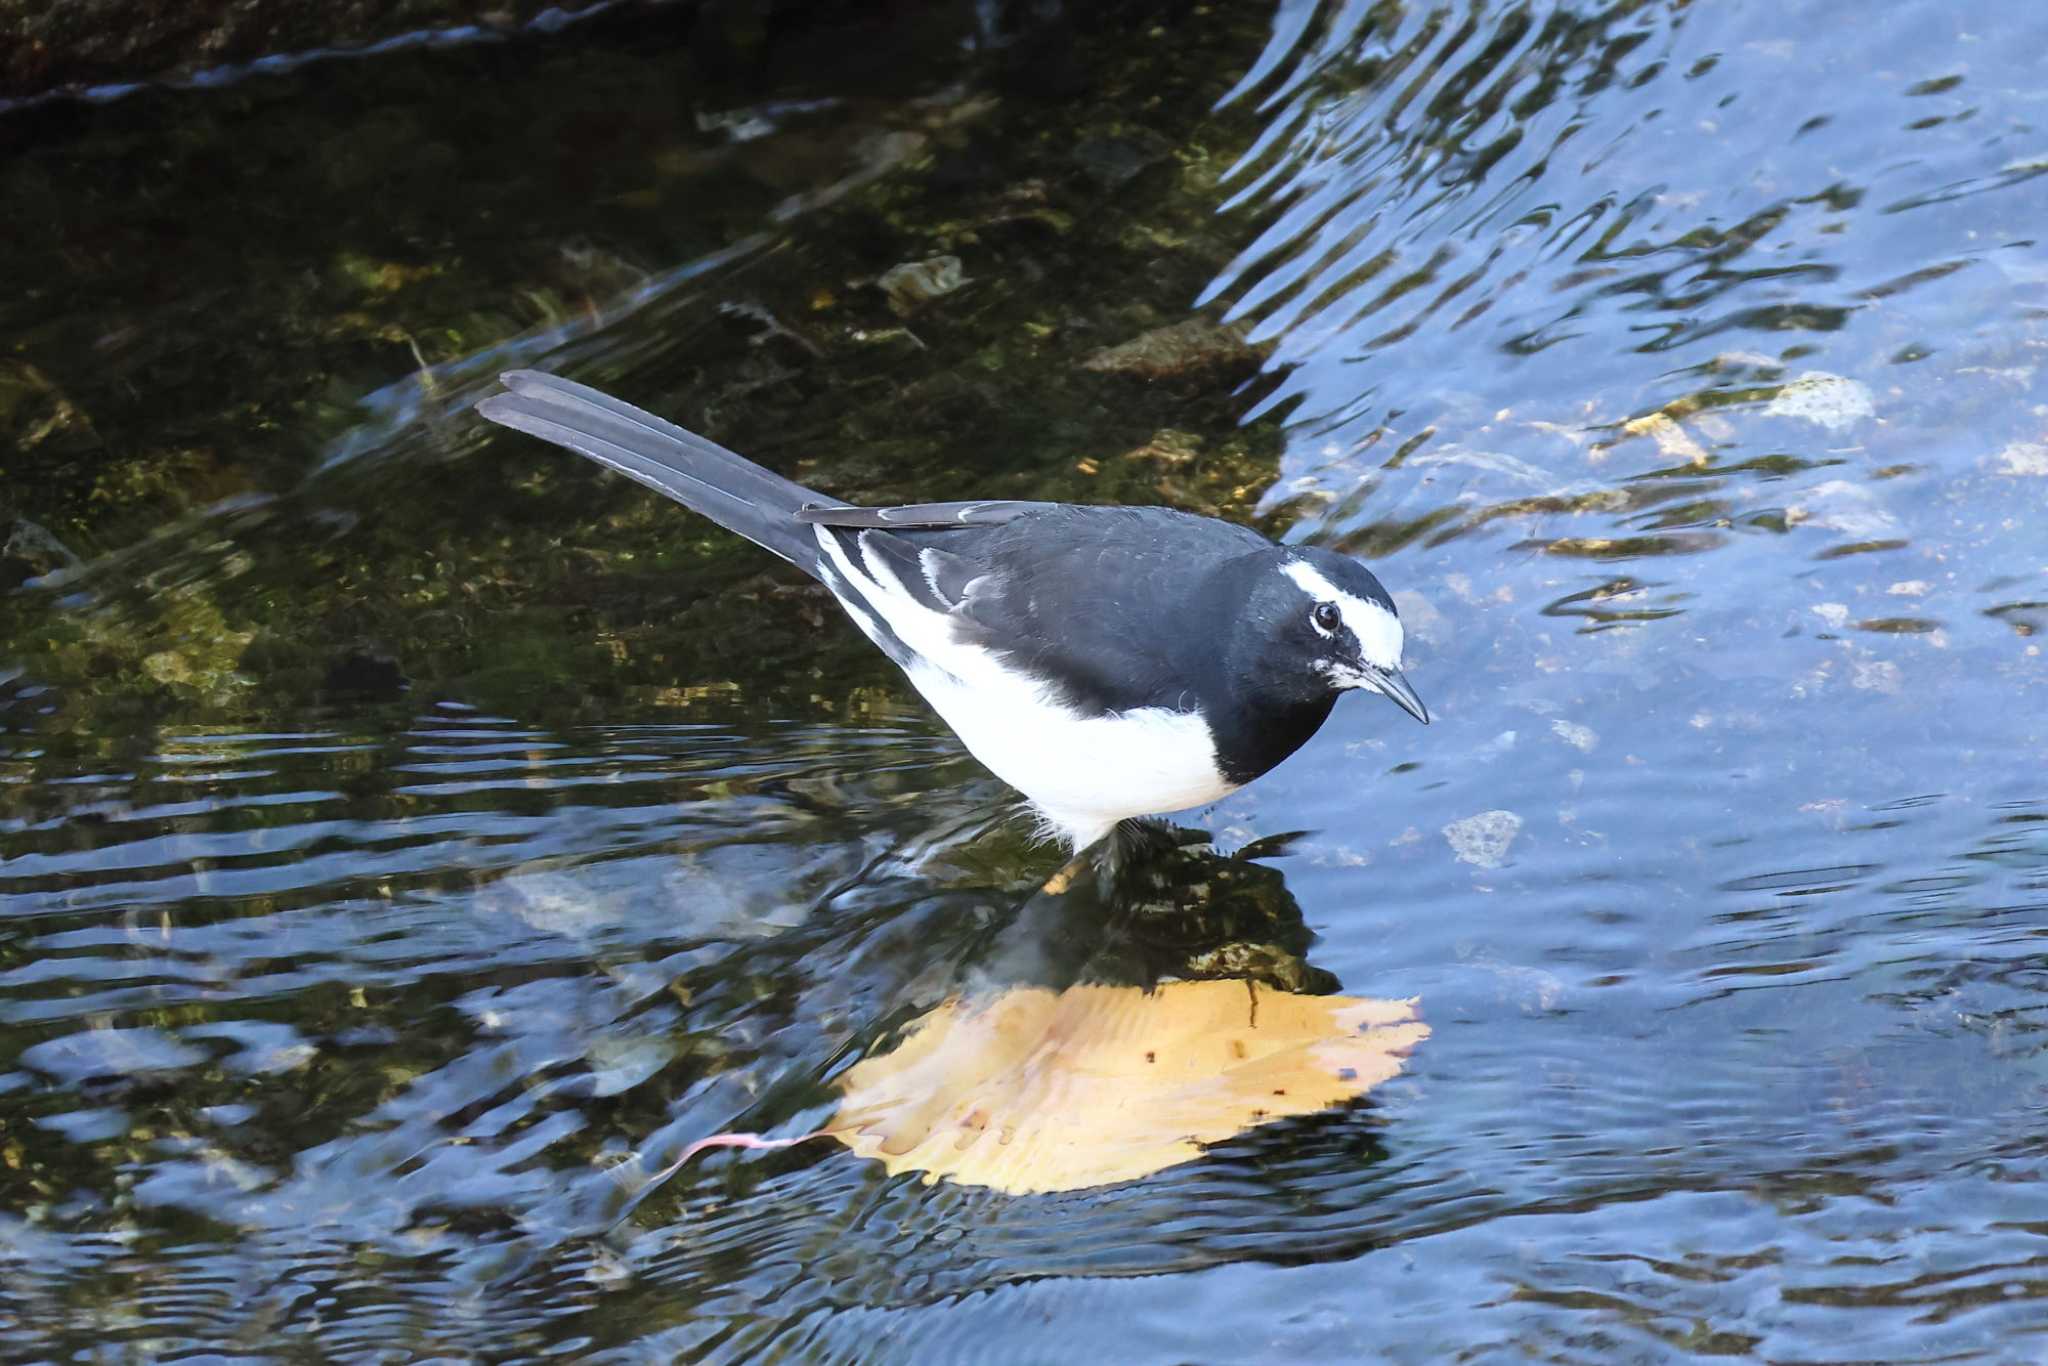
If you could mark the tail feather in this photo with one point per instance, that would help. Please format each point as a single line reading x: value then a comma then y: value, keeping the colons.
x: 700, y: 474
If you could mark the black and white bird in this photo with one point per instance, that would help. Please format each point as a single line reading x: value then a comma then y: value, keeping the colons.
x: 1107, y: 662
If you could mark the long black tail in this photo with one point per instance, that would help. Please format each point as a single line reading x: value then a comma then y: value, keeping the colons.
x: 701, y: 475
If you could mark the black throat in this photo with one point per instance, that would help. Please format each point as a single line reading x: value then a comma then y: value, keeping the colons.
x: 1250, y: 740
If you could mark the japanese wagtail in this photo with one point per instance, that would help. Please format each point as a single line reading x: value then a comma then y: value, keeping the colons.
x: 1107, y: 662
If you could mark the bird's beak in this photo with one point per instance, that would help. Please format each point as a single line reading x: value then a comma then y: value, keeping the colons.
x: 1390, y: 682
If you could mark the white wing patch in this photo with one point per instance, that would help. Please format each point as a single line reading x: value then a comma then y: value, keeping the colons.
x: 1378, y: 630
x: 1083, y: 773
x: 850, y: 605
x: 931, y: 574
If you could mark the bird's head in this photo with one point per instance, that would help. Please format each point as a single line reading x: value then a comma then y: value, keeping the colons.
x: 1324, y: 625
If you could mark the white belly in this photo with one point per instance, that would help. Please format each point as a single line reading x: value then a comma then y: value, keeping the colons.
x: 1083, y: 773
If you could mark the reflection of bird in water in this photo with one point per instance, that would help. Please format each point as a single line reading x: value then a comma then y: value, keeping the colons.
x: 1108, y: 662
x: 1131, y: 1016
x: 1168, y: 907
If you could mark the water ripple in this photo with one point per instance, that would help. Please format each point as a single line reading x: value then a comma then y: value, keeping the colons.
x: 1675, y: 364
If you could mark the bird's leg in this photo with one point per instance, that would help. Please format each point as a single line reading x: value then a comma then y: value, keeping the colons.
x: 1062, y: 881
x: 1127, y: 842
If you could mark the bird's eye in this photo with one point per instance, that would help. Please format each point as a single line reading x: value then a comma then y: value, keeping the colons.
x: 1325, y: 617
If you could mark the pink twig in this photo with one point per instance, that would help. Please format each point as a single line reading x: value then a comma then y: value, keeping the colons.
x: 753, y: 1142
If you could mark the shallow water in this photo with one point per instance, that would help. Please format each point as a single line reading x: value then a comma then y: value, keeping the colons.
x: 1676, y: 365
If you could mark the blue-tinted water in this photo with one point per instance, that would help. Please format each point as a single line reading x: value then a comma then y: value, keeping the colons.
x: 1677, y: 365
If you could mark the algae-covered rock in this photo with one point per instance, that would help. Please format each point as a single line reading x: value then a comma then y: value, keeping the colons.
x: 1180, y: 349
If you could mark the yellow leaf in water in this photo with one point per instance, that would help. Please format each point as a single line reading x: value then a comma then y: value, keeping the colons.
x: 1042, y: 1091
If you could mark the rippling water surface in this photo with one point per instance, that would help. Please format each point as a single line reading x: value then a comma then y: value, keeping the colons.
x: 1677, y: 365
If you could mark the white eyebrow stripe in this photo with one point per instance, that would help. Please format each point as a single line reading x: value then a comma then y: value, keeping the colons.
x: 1378, y: 630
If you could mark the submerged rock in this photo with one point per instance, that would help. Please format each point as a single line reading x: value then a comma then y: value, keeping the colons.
x: 365, y: 674
x: 914, y: 284
x: 1114, y: 160
x: 30, y: 551
x: 1170, y: 352
x: 2023, y: 458
x: 1483, y: 840
x: 1827, y: 400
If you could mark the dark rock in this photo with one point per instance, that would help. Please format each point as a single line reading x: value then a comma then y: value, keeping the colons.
x: 29, y: 552
x: 1183, y: 348
x: 1113, y: 162
x: 363, y: 674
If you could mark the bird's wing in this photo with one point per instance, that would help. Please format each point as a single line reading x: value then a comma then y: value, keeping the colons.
x: 922, y: 516
x: 934, y: 579
x: 1105, y: 606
